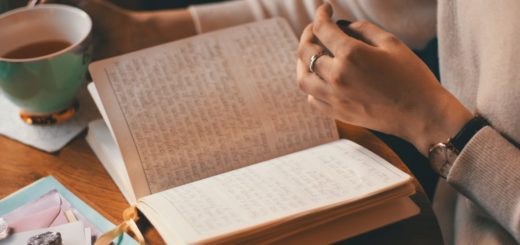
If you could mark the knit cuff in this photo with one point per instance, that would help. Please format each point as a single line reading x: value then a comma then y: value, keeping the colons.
x: 487, y: 171
x: 209, y: 17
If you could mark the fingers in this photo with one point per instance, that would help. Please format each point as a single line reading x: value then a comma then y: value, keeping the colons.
x: 320, y: 105
x: 307, y: 48
x: 311, y: 83
x: 307, y: 35
x: 323, y: 63
x: 329, y: 34
x: 373, y: 34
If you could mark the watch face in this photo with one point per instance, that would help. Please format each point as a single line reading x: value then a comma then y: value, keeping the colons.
x: 442, y: 157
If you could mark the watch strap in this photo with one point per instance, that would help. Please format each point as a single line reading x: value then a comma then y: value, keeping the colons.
x: 467, y: 132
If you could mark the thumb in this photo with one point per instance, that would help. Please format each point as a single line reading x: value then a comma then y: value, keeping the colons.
x: 373, y: 34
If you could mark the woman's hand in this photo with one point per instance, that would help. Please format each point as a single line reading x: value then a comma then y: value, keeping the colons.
x: 376, y: 82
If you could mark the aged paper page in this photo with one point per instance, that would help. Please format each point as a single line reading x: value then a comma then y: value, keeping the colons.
x: 337, y: 172
x: 210, y: 104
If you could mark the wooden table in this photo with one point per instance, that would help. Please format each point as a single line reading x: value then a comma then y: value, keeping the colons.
x: 76, y: 167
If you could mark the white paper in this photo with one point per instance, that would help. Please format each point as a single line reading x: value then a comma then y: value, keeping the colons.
x: 88, y: 236
x: 197, y: 107
x: 91, y: 87
x: 71, y: 234
x: 47, y: 138
x: 338, y: 172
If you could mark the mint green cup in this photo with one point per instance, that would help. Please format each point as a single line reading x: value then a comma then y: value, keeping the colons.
x: 49, y: 83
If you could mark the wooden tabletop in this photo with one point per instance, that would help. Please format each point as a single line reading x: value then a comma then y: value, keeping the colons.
x: 76, y: 167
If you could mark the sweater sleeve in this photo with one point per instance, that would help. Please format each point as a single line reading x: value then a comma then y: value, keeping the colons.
x: 413, y: 21
x: 487, y: 171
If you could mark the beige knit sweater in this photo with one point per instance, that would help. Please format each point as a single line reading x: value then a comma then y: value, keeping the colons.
x: 479, y: 63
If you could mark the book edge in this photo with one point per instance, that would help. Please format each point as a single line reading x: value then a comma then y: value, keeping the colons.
x: 107, y: 161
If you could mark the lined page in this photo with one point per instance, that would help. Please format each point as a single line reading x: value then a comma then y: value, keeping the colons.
x: 210, y: 104
x: 341, y: 171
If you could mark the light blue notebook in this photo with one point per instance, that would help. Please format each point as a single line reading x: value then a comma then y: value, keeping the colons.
x: 44, y: 185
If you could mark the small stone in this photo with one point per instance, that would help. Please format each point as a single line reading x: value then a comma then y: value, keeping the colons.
x: 46, y: 238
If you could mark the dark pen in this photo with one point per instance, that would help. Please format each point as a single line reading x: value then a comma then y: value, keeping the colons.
x: 344, y: 26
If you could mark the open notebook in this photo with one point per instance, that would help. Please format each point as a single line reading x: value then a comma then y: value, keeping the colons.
x: 211, y: 139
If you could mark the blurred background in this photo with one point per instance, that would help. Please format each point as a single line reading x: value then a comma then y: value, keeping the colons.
x: 130, y: 4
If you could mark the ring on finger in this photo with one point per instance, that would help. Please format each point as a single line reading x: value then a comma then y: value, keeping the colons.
x: 315, y: 58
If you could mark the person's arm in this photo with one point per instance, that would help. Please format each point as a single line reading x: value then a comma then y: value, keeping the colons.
x: 117, y: 31
x: 411, y: 20
x: 378, y: 83
x: 120, y: 31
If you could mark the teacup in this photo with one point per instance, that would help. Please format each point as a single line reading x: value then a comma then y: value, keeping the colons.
x: 44, y: 54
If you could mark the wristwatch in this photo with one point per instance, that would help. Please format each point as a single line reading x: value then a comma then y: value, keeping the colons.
x: 442, y: 155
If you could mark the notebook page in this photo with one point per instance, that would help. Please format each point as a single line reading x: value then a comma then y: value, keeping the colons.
x: 198, y: 107
x: 337, y: 172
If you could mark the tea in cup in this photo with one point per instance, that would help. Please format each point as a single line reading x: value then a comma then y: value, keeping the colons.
x: 44, y: 54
